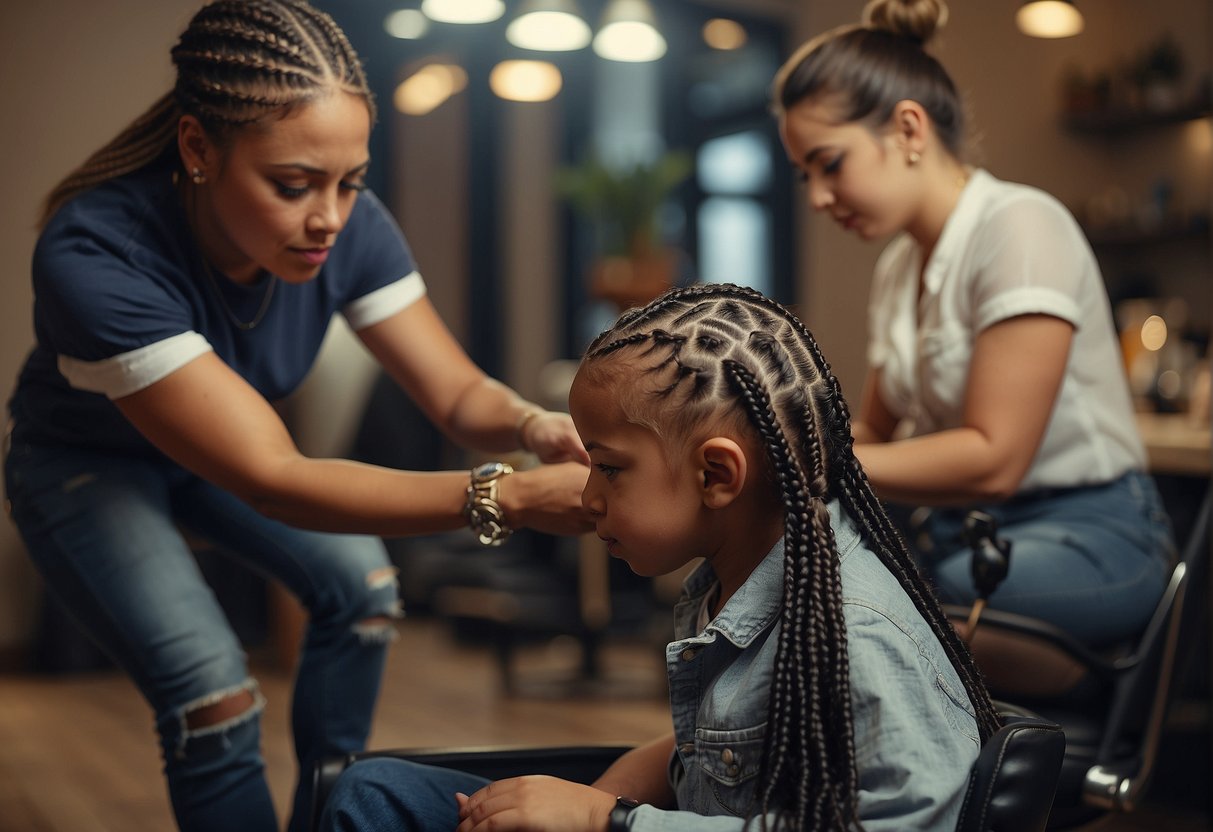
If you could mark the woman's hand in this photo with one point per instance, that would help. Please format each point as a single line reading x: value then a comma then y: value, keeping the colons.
x: 547, y: 498
x: 536, y: 803
x: 551, y: 437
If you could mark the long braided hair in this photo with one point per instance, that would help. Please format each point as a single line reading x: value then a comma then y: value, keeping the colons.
x: 239, y: 63
x: 699, y: 355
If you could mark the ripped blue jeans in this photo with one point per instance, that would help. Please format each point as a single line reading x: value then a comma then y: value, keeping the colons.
x: 105, y: 532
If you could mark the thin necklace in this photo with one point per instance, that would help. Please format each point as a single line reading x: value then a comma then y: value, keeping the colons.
x: 243, y: 326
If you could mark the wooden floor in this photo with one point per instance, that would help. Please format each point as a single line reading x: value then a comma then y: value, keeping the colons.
x: 77, y: 752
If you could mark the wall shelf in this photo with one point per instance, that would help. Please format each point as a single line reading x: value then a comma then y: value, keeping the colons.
x: 1195, y: 229
x: 1114, y: 121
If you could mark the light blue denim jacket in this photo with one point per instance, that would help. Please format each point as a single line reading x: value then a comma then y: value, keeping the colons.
x: 915, y: 732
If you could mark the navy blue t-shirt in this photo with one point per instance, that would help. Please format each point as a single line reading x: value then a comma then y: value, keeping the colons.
x: 121, y: 301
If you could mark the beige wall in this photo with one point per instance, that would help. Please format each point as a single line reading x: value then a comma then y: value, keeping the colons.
x: 75, y: 72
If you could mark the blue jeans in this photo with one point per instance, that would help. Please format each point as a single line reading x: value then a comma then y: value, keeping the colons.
x: 105, y: 532
x: 380, y: 794
x: 1093, y: 560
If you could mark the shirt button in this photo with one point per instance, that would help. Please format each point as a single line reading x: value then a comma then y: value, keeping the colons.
x: 688, y: 654
x: 727, y: 756
x: 734, y: 770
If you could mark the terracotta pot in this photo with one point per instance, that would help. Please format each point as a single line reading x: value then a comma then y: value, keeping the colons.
x: 633, y: 281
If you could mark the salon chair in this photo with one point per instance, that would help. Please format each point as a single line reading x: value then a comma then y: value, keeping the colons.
x: 1010, y: 789
x: 1111, y: 704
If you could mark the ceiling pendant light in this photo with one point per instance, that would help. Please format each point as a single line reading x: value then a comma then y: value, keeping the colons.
x: 629, y: 33
x: 406, y: 24
x: 525, y: 80
x: 463, y: 11
x: 549, y: 26
x: 1049, y: 18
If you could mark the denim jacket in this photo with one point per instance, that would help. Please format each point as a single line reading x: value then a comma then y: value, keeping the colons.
x: 915, y: 732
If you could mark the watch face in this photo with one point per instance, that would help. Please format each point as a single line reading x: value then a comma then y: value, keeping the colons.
x: 488, y: 470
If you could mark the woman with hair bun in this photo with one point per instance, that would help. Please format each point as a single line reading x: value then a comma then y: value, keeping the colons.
x: 995, y: 378
x: 184, y: 279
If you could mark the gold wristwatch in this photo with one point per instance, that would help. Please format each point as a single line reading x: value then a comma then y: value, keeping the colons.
x: 483, y: 511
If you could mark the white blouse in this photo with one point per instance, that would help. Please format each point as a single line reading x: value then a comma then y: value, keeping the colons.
x: 1006, y: 250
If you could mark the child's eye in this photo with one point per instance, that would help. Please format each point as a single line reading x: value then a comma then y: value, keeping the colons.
x: 834, y: 165
x: 608, y: 471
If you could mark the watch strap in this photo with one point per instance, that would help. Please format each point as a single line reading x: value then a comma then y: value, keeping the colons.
x: 618, y: 819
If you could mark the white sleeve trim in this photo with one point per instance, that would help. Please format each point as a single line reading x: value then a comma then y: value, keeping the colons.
x: 384, y: 302
x: 132, y: 371
x: 1028, y: 300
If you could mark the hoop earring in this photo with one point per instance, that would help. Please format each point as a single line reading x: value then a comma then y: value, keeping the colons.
x: 912, y: 160
x: 198, y: 177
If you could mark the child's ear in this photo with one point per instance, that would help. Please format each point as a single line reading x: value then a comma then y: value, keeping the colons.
x: 722, y: 468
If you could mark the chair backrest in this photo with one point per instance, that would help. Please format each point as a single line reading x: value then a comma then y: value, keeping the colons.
x: 1014, y: 778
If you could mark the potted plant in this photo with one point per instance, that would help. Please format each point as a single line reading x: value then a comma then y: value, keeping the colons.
x: 633, y: 266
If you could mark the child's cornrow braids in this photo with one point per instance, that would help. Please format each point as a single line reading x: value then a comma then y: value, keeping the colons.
x: 857, y: 496
x: 238, y: 62
x: 746, y: 357
x: 749, y: 353
x: 808, y: 773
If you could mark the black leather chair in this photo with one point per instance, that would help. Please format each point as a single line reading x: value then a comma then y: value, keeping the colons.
x: 1010, y: 789
x: 1112, y: 705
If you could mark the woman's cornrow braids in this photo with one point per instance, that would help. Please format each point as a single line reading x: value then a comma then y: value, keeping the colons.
x: 749, y: 353
x: 239, y: 62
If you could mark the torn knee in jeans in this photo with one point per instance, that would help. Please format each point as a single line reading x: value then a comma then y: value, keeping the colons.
x: 379, y: 629
x: 384, y: 576
x: 219, y: 711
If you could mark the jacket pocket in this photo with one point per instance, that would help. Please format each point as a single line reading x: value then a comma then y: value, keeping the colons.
x: 730, y: 761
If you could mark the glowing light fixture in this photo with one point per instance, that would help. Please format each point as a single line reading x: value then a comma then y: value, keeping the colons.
x: 629, y: 33
x: 1049, y: 18
x: 1154, y: 333
x: 549, y: 26
x: 525, y: 80
x: 723, y: 34
x: 427, y: 88
x: 407, y: 24
x: 463, y: 11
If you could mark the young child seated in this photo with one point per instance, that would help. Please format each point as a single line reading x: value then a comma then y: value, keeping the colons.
x: 814, y: 682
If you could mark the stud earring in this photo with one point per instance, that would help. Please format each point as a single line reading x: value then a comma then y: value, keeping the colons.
x: 198, y: 176
x: 913, y: 158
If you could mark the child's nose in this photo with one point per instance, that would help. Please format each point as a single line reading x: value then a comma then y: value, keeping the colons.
x: 592, y: 503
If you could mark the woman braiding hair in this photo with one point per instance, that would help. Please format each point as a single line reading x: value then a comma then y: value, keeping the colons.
x: 184, y: 279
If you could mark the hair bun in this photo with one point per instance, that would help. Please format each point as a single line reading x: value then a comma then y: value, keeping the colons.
x: 917, y: 20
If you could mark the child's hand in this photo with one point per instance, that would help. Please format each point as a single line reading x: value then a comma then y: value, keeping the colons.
x: 536, y: 803
x: 551, y: 437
